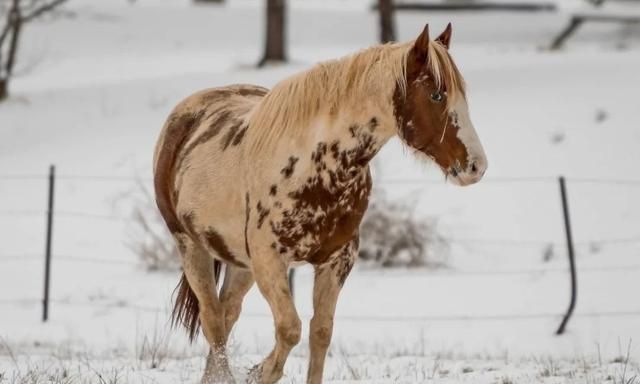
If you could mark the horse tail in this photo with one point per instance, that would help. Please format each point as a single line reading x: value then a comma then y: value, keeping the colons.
x: 186, y: 310
x: 217, y: 269
x: 177, y: 130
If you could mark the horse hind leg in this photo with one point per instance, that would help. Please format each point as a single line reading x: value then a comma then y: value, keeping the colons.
x: 198, y: 285
x: 237, y: 282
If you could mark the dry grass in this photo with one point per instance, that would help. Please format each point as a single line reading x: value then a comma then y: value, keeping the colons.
x: 148, y: 237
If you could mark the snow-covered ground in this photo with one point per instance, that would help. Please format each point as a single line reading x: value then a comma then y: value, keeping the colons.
x: 94, y: 87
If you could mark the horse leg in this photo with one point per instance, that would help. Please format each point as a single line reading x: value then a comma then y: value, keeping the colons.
x: 270, y: 273
x: 237, y: 282
x: 328, y: 281
x: 198, y: 269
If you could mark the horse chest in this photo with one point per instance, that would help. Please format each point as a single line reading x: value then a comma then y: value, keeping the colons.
x: 320, y: 219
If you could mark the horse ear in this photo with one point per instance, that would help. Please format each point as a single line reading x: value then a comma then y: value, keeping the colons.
x: 421, y: 46
x: 445, y: 36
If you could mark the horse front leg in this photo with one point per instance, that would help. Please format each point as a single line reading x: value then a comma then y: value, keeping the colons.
x: 329, y: 278
x: 270, y: 273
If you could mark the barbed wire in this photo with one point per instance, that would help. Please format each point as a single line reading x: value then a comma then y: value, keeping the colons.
x: 102, y: 178
x: 391, y: 273
x: 514, y: 179
x: 57, y: 257
x: 451, y: 272
x: 23, y: 177
x: 20, y: 257
x: 27, y: 176
x: 64, y: 213
x: 497, y: 179
x: 91, y: 215
x: 96, y: 260
x: 635, y: 183
x: 343, y: 317
x: 21, y: 212
x: 451, y: 240
x: 448, y: 239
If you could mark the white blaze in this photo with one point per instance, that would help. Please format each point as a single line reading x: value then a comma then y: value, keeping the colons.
x: 468, y: 136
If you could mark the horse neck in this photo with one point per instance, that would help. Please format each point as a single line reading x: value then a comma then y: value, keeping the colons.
x: 351, y: 139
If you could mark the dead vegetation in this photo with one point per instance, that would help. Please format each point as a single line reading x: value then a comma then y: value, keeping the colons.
x: 148, y: 236
x: 391, y: 235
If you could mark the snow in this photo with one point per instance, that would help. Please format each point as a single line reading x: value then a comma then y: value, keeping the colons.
x: 94, y: 87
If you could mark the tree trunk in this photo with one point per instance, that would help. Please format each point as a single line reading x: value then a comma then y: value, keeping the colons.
x: 4, y: 89
x: 387, y: 26
x: 275, y: 47
x: 13, y: 28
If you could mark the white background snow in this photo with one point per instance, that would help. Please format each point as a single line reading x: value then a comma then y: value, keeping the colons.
x: 95, y: 85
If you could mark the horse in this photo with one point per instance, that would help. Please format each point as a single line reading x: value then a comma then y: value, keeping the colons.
x: 262, y: 180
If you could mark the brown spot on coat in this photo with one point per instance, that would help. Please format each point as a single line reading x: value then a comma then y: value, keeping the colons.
x: 287, y: 171
x: 335, y: 149
x: 217, y: 243
x: 246, y: 224
x: 262, y: 213
x: 373, y: 124
x: 240, y: 135
x: 353, y: 129
x: 231, y: 134
x: 252, y: 91
x: 273, y: 190
x: 215, y: 126
x: 318, y: 154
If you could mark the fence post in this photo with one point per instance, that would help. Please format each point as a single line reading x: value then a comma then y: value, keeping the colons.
x: 572, y: 262
x: 47, y: 262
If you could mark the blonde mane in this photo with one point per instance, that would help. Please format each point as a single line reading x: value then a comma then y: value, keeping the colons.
x: 343, y: 83
x: 445, y: 73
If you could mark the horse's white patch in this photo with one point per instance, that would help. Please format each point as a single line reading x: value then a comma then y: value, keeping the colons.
x: 459, y: 116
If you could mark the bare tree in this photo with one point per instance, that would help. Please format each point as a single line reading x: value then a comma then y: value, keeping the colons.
x: 18, y: 13
x: 275, y: 43
x: 387, y: 25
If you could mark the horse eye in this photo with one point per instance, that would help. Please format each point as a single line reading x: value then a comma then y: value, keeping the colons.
x: 436, y: 96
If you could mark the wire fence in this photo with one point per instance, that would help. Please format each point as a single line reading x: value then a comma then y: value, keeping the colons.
x: 33, y: 302
x: 443, y: 271
x: 85, y: 215
x: 490, y: 180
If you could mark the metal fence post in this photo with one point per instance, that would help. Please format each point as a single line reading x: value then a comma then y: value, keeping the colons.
x: 572, y: 262
x: 47, y: 262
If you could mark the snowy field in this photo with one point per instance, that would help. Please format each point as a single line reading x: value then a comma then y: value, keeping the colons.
x: 95, y: 85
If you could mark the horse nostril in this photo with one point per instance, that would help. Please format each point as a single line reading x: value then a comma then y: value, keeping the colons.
x: 474, y: 169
